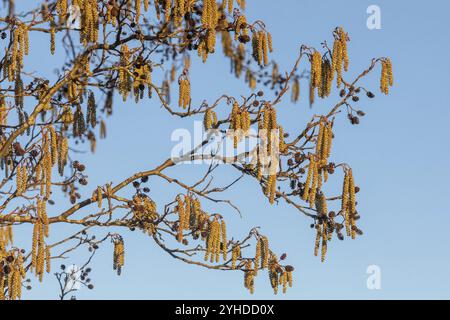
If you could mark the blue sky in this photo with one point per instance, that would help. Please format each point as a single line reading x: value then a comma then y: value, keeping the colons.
x: 399, y: 155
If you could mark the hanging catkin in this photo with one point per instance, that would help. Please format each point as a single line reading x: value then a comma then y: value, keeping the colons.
x: 235, y: 254
x: 119, y: 254
x: 184, y: 92
x: 387, y: 78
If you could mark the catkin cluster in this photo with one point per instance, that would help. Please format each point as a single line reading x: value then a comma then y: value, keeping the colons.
x: 89, y: 21
x: 39, y: 250
x: 240, y: 122
x: 184, y: 99
x: 119, y: 254
x: 125, y: 82
x: 20, y: 48
x: 387, y: 77
x: 348, y: 204
x: 142, y: 77
x: 48, y: 159
x: 12, y: 261
x: 144, y: 212
x: 321, y: 77
x: 210, y: 119
x: 278, y: 275
x: 323, y: 235
x: 191, y: 217
x: 340, y: 54
x: 216, y: 240
x: 261, y: 47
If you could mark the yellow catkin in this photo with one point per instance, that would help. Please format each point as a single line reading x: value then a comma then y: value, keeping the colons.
x: 343, y: 39
x: 390, y: 72
x: 269, y: 42
x: 181, y: 218
x: 316, y: 69
x: 314, y: 185
x: 352, y: 203
x: 53, y: 144
x: 272, y: 186
x: 235, y: 254
x: 224, y: 240
x: 40, y: 262
x: 119, y: 254
x: 265, y: 252
x: 207, y: 120
x: 52, y: 37
x: 311, y: 170
x: 36, y: 227
x: 61, y: 9
x: 387, y: 78
x: 324, y: 242
x: 187, y: 211
x: 258, y: 253
x: 137, y: 8
x: 320, y: 137
x: 47, y: 259
x: 345, y: 201
x: 184, y: 93
x: 265, y: 48
x: 336, y: 65
x: 99, y: 196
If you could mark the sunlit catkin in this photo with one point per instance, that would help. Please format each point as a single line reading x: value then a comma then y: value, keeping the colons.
x: 258, y: 253
x: 387, y: 79
x: 224, y: 244
x: 311, y: 172
x: 181, y: 218
x: 345, y: 202
x: 235, y: 254
x: 119, y: 254
x: 184, y: 92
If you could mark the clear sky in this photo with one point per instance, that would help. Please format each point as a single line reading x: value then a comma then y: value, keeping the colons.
x: 399, y: 154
